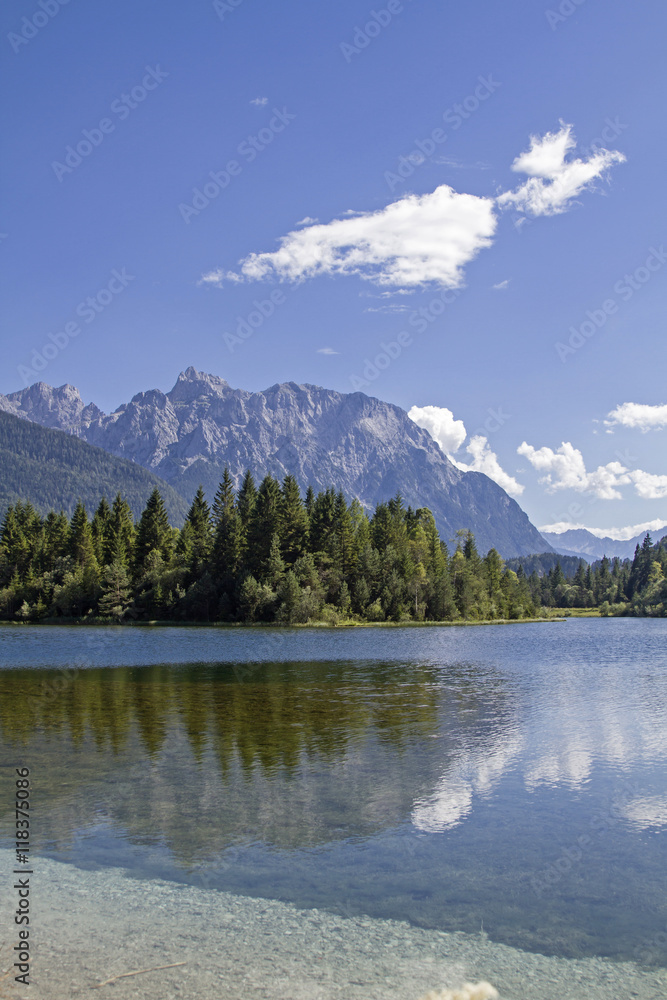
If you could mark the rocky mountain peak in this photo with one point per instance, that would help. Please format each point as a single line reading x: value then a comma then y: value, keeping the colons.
x: 367, y: 448
x: 60, y: 407
x: 191, y: 384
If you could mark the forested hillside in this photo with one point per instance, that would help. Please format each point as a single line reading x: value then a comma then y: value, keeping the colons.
x: 54, y: 469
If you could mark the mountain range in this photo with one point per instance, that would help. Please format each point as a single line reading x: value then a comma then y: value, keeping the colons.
x: 583, y: 543
x: 368, y: 448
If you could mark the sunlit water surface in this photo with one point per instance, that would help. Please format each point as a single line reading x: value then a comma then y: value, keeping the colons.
x: 510, y: 777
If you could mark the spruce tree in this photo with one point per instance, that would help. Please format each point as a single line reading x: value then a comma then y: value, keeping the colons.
x: 153, y: 531
x: 293, y: 522
x: 265, y: 523
x: 228, y: 541
x: 100, y: 528
x: 80, y: 539
x: 119, y: 540
x: 201, y: 533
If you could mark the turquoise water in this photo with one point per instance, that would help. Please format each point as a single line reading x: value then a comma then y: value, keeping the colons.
x: 505, y: 777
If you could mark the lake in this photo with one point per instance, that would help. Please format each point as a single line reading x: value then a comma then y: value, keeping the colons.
x: 501, y: 785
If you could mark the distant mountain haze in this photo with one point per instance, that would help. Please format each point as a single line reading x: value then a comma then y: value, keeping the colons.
x: 581, y: 542
x: 368, y: 448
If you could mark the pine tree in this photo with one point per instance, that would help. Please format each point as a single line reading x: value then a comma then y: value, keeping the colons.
x: 289, y: 594
x: 293, y: 522
x: 119, y: 541
x: 344, y: 538
x: 153, y: 532
x: 80, y: 539
x: 56, y: 530
x: 322, y: 523
x: 247, y: 499
x: 275, y: 566
x: 309, y: 501
x: 265, y: 524
x: 115, y: 583
x: 201, y: 533
x: 100, y: 529
x: 228, y: 543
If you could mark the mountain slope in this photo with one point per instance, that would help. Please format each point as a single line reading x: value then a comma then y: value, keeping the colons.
x: 367, y: 448
x: 52, y: 469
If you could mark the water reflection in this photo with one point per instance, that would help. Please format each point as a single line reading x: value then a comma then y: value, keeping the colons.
x: 437, y: 791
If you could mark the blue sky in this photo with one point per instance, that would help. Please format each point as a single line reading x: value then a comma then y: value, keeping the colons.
x: 383, y: 139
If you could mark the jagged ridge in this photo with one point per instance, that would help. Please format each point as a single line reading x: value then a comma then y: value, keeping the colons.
x: 366, y: 447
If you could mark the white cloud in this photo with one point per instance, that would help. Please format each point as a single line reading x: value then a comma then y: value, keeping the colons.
x: 326, y: 350
x: 565, y: 470
x: 450, y: 435
x: 413, y: 241
x: 392, y: 307
x: 618, y: 534
x: 502, y: 285
x: 259, y: 102
x: 555, y: 181
x: 441, y: 425
x: 218, y: 277
x: 486, y: 461
x: 638, y: 415
x: 648, y: 486
x: 430, y: 238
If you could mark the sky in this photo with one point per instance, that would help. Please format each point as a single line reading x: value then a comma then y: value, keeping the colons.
x: 457, y: 208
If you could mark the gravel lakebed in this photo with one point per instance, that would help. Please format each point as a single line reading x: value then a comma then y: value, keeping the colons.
x: 89, y: 926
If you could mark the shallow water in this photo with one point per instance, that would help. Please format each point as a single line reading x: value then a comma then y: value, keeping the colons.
x: 505, y: 779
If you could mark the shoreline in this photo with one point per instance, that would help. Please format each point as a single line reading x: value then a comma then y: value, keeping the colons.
x: 242, y: 946
x: 101, y: 622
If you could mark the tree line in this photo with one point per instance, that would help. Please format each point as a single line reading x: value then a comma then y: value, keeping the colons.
x: 636, y: 586
x: 267, y: 554
x: 257, y: 554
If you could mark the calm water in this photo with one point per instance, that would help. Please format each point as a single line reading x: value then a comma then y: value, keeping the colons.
x: 510, y: 776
